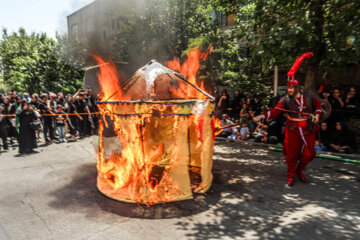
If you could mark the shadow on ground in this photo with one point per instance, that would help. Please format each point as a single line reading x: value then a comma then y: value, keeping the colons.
x: 248, y: 199
x: 82, y: 195
x: 256, y: 204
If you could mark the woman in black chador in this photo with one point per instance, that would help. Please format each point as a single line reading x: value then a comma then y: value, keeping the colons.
x: 27, y: 135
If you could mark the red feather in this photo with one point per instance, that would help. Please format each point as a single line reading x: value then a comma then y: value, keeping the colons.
x: 298, y: 62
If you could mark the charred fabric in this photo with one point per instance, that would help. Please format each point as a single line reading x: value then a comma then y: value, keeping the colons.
x: 156, y: 134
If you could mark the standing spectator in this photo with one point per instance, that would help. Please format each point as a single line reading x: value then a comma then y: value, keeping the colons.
x: 60, y: 118
x: 10, y: 108
x: 3, y: 127
x: 35, y: 100
x: 27, y: 134
x: 223, y: 103
x: 12, y: 97
x: 337, y: 106
x: 60, y: 100
x: 26, y: 97
x: 244, y: 114
x: 83, y: 110
x: 351, y: 103
x: 94, y: 125
x: 74, y: 117
x: 236, y: 105
x: 45, y: 111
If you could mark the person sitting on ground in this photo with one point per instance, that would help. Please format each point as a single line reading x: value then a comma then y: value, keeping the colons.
x: 340, y: 139
x: 229, y: 129
x: 322, y: 143
x: 244, y: 132
x: 261, y: 133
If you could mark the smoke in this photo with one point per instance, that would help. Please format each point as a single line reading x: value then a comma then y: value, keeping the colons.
x: 126, y: 31
x: 70, y: 7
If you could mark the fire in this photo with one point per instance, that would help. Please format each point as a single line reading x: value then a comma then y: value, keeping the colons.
x: 217, y: 126
x: 110, y: 85
x: 190, y: 67
x: 163, y: 145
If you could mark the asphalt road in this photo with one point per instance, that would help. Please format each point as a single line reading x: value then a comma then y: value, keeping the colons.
x: 53, y: 195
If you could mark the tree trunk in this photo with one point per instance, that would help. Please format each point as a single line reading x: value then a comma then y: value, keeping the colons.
x: 310, y: 77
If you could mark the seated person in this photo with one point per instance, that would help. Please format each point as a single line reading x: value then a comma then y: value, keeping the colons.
x: 244, y: 132
x: 322, y: 143
x: 260, y: 133
x: 227, y: 125
x: 340, y: 139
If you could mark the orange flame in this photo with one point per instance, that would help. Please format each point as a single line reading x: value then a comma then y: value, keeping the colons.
x: 109, y: 81
x: 217, y: 126
x: 190, y: 67
x: 141, y: 170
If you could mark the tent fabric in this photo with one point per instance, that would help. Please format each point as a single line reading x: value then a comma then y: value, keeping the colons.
x: 167, y: 144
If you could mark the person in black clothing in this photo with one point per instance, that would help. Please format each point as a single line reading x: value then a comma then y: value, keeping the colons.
x: 74, y: 117
x: 3, y: 127
x: 27, y: 134
x: 49, y: 131
x: 337, y: 106
x: 235, y: 106
x: 223, y: 103
x: 35, y: 100
x: 94, y: 126
x: 11, y: 109
x: 60, y: 100
x: 82, y: 108
x: 351, y: 103
x: 322, y: 142
x: 341, y: 140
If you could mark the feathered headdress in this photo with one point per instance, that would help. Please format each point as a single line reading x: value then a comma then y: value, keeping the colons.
x: 291, y: 74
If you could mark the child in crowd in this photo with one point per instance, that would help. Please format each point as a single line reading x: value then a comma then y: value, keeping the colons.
x: 261, y: 133
x: 60, y: 118
x: 244, y: 132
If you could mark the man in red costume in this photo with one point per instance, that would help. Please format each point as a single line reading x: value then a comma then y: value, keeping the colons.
x: 299, y: 142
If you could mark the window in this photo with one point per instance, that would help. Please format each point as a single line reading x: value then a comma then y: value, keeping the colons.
x: 230, y: 19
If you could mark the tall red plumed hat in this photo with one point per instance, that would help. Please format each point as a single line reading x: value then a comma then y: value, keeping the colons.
x: 292, y: 82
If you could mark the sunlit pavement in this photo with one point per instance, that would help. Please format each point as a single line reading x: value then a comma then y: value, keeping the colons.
x: 52, y: 195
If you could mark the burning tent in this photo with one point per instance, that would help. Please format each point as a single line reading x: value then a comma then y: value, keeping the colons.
x: 164, y: 140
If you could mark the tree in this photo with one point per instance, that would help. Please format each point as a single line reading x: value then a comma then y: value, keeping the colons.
x: 30, y: 62
x: 279, y: 31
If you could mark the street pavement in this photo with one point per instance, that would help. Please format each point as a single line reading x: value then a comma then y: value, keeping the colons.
x: 52, y: 195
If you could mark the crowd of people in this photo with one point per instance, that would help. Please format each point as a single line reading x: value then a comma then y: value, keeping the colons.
x: 23, y: 118
x: 59, y: 118
x: 237, y: 114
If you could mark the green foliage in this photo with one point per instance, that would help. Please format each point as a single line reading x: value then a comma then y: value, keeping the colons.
x: 30, y: 62
x: 279, y: 31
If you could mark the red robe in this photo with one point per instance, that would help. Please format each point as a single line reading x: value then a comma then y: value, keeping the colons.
x: 299, y: 142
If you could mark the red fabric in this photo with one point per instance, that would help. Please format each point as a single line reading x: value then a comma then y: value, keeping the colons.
x: 293, y: 83
x: 298, y: 62
x: 295, y: 148
x: 299, y: 142
x: 273, y: 113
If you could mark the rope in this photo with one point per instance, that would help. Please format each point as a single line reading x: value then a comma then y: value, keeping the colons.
x: 55, y: 114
